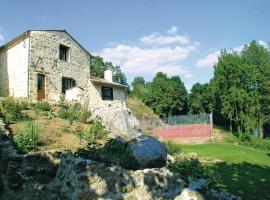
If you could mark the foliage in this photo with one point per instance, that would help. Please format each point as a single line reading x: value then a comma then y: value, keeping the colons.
x: 80, y: 133
x: 191, y: 168
x: 200, y: 99
x: 113, y: 152
x: 140, y: 109
x: 26, y: 139
x: 166, y: 96
x: 98, y: 66
x: 230, y: 138
x: 241, y: 88
x: 96, y: 131
x: 43, y: 106
x: 74, y: 112
x: 138, y: 87
x: 248, y: 140
x: 11, y: 109
x: 172, y: 148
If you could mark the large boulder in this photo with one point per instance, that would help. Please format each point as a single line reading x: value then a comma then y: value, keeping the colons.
x: 118, y: 119
x: 148, y: 152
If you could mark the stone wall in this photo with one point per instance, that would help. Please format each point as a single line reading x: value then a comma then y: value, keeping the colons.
x: 44, y: 58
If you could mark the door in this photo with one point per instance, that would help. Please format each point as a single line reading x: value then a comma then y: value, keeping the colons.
x: 41, y: 86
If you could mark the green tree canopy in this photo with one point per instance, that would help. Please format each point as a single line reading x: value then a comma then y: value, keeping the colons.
x: 138, y: 87
x: 199, y: 99
x: 98, y: 66
x: 241, y: 88
x: 166, y: 96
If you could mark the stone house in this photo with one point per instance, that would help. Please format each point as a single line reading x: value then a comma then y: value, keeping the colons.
x: 45, y: 64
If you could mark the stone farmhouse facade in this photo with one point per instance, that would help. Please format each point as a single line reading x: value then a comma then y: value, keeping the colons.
x: 45, y: 64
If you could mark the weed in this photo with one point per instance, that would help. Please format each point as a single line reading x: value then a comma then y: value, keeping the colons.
x: 26, y: 139
x: 96, y: 131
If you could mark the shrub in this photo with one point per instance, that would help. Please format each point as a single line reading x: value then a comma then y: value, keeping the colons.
x: 80, y: 133
x: 191, y: 168
x: 43, y: 106
x: 74, y: 113
x: 230, y: 138
x: 113, y: 152
x: 96, y: 131
x: 172, y: 148
x: 26, y: 139
x: 11, y: 110
x: 246, y: 139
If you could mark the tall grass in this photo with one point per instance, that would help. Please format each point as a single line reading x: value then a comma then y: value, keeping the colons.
x: 26, y: 138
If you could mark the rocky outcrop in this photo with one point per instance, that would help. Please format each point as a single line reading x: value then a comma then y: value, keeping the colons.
x: 26, y: 176
x: 148, y: 152
x: 87, y: 179
x: 118, y: 118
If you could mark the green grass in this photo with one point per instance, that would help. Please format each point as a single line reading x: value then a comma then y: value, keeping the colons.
x: 245, y: 171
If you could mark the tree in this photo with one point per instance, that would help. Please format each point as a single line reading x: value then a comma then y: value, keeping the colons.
x: 257, y: 57
x: 98, y: 67
x: 200, y: 99
x: 241, y: 88
x: 166, y: 96
x: 138, y: 86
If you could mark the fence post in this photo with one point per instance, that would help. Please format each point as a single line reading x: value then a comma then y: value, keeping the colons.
x: 211, y: 122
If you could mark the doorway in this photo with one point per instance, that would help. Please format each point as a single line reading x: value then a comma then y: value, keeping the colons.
x: 41, y: 86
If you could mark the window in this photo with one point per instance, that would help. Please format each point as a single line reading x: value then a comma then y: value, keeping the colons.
x: 67, y: 83
x: 107, y: 93
x: 63, y: 53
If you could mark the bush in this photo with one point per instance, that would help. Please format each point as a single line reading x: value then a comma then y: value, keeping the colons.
x: 113, y: 152
x: 191, y: 168
x: 248, y: 140
x: 96, y: 131
x: 26, y: 139
x: 43, y: 106
x: 11, y: 110
x: 230, y: 138
x: 172, y: 148
x: 74, y: 113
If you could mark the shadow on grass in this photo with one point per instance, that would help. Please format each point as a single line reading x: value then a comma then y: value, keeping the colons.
x: 244, y: 179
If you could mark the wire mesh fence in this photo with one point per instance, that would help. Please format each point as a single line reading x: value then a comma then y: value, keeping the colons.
x: 185, y: 126
x: 188, y: 119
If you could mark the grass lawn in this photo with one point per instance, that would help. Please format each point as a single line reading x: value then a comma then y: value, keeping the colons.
x: 245, y: 171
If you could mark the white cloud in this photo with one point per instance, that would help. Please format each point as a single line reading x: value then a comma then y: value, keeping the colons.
x: 172, y: 30
x: 265, y: 44
x: 158, y: 39
x: 139, y: 60
x: 150, y: 54
x: 211, y: 59
x: 2, y: 38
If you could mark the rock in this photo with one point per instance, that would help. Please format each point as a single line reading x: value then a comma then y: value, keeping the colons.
x: 170, y: 158
x: 199, y: 185
x: 118, y: 118
x: 98, y: 181
x: 188, y: 194
x: 148, y: 152
x: 219, y: 195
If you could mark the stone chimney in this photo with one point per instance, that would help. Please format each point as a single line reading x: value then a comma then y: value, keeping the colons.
x: 108, y: 75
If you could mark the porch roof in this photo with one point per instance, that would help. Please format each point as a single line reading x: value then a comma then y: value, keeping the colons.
x: 101, y: 81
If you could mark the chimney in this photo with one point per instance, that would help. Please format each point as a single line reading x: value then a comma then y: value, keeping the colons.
x: 108, y: 75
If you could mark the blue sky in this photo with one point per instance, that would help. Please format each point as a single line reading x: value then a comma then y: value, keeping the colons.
x: 177, y: 37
